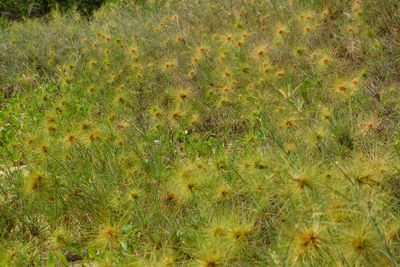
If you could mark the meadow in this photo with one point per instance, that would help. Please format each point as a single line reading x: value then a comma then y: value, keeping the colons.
x: 202, y: 133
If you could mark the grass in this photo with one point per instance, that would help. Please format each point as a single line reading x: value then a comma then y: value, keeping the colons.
x: 202, y: 133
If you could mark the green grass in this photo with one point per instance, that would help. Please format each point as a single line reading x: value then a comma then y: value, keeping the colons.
x: 202, y: 133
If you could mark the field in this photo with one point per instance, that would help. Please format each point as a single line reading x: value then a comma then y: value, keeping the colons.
x: 202, y: 133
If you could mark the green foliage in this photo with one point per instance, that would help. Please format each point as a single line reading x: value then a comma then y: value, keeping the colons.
x: 17, y: 9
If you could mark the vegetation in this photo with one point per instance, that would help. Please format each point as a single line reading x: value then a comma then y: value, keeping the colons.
x: 17, y: 9
x: 202, y: 133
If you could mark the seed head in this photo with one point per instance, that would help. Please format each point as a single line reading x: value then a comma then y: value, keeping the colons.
x: 71, y: 138
x: 36, y: 183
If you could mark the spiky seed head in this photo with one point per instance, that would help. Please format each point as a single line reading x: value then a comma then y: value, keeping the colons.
x: 71, y: 138
x: 61, y: 238
x: 260, y: 52
x: 280, y: 73
x: 211, y: 261
x: 240, y: 233
x: 223, y: 192
x: 134, y: 194
x: 31, y: 141
x: 44, y: 148
x: 309, y: 244
x: 36, y: 183
x: 108, y: 236
x: 180, y: 38
x: 302, y: 182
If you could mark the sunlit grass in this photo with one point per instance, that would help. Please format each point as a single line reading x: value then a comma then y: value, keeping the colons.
x: 202, y: 133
